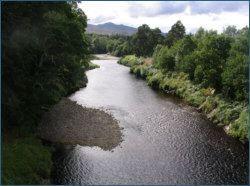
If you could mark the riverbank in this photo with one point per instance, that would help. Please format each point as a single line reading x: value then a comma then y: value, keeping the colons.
x: 232, y: 116
x: 26, y: 159
x: 70, y: 123
x: 106, y: 57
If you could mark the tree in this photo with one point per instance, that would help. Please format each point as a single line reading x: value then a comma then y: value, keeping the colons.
x: 164, y: 58
x: 156, y: 54
x: 230, y: 31
x: 212, y: 59
x: 189, y: 63
x: 186, y: 47
x: 156, y: 37
x: 44, y: 56
x: 199, y: 33
x: 142, y: 41
x: 176, y: 33
x: 146, y: 40
x: 235, y: 77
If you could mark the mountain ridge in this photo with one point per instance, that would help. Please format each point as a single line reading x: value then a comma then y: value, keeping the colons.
x: 111, y: 28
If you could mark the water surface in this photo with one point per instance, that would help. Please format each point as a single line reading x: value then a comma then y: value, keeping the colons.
x: 165, y: 140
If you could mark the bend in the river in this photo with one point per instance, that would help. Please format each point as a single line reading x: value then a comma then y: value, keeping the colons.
x: 165, y: 141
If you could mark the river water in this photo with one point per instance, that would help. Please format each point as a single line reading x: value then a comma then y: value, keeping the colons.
x: 165, y: 141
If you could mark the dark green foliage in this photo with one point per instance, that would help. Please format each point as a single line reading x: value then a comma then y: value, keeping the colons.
x: 156, y: 54
x: 146, y: 39
x: 230, y: 31
x: 117, y: 45
x: 199, y: 33
x: 99, y: 44
x: 130, y: 60
x: 166, y: 60
x: 217, y: 64
x: 186, y: 47
x: 142, y: 43
x: 198, y: 74
x: 235, y: 78
x: 156, y: 37
x: 188, y: 64
x: 210, y: 59
x: 176, y: 33
x: 240, y: 128
x: 92, y: 66
x: 44, y: 57
x: 25, y: 161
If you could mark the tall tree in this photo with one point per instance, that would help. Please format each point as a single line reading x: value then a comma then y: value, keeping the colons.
x: 44, y: 55
x: 176, y: 33
x: 142, y: 41
x: 199, y: 33
x: 146, y: 40
x: 230, y: 31
x: 235, y: 78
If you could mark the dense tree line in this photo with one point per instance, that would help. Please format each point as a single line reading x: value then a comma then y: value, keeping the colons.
x: 44, y: 57
x: 213, y: 60
x: 45, y: 53
x: 220, y: 61
x: 116, y: 45
x: 142, y: 43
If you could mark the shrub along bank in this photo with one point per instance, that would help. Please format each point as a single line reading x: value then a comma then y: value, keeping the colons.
x: 232, y: 115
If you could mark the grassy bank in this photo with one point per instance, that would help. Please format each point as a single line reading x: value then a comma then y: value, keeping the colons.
x: 41, y: 63
x: 92, y: 66
x: 26, y: 161
x: 231, y: 115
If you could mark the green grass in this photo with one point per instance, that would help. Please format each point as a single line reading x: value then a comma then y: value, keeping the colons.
x: 25, y: 161
x: 92, y: 66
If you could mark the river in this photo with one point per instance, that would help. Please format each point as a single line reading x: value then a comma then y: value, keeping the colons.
x: 165, y: 141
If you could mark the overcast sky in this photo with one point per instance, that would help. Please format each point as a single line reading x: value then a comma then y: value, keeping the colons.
x: 214, y: 15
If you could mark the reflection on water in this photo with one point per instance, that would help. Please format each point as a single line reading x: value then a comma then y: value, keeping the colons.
x: 165, y: 141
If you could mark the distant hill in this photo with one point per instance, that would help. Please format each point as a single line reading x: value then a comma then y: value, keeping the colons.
x: 111, y: 28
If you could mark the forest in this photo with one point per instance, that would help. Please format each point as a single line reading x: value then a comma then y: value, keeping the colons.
x: 45, y: 54
x: 210, y: 59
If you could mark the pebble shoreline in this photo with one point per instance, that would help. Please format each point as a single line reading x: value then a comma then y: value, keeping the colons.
x: 70, y: 123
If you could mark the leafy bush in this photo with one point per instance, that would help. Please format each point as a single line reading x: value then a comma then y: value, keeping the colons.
x: 235, y: 78
x: 155, y: 80
x: 130, y: 61
x: 196, y: 99
x: 92, y: 66
x: 240, y: 128
x: 188, y: 64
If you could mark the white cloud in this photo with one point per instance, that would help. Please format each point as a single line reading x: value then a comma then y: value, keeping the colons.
x: 164, y: 15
